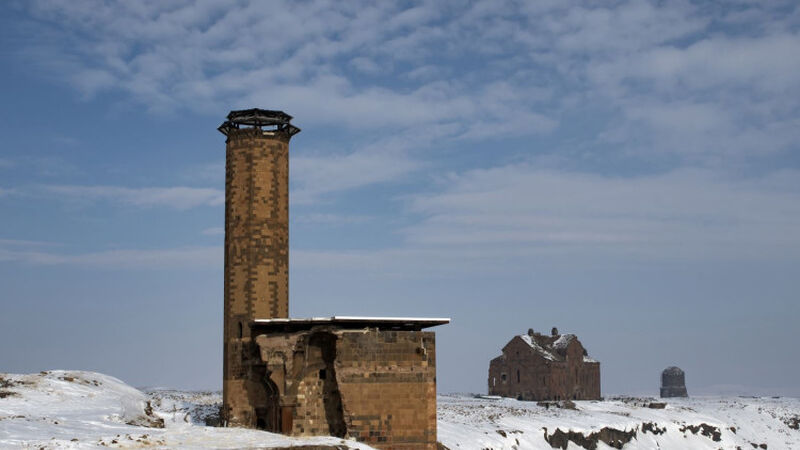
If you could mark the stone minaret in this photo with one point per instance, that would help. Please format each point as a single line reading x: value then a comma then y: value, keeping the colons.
x: 256, y: 244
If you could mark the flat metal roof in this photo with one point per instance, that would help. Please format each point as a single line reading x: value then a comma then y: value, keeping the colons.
x: 352, y: 322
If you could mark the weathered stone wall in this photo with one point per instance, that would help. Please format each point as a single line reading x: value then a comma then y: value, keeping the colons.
x: 536, y: 379
x: 378, y: 387
x: 256, y: 252
x: 388, y: 385
x: 591, y: 380
x: 526, y: 375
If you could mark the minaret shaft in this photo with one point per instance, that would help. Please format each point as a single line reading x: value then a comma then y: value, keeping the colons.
x: 256, y: 244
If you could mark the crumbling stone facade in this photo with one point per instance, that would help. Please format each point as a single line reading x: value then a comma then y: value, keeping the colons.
x: 371, y: 379
x: 673, y: 383
x: 539, y: 367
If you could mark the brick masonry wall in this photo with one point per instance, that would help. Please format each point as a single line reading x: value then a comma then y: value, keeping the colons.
x: 388, y: 385
x: 256, y: 251
x: 378, y: 387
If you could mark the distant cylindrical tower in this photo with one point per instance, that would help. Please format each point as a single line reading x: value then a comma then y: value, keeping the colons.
x: 256, y: 241
x: 673, y: 383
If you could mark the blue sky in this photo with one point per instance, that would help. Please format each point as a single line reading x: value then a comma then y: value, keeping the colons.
x: 626, y: 171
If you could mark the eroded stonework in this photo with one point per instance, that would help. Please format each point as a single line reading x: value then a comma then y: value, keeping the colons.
x: 375, y: 386
x: 539, y: 367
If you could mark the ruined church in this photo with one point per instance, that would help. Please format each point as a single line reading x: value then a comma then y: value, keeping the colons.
x: 542, y: 367
x: 368, y: 378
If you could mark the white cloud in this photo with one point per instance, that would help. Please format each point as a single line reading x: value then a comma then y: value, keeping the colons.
x: 366, y: 65
x: 209, y: 172
x: 24, y: 243
x: 683, y: 213
x: 511, y: 218
x: 765, y: 64
x: 214, y: 231
x: 721, y: 98
x: 507, y: 218
x: 172, y: 57
x: 623, y: 27
x: 173, y: 197
x: 707, y: 85
x: 180, y: 258
x: 313, y: 177
x: 491, y: 70
x: 47, y: 166
x: 330, y: 219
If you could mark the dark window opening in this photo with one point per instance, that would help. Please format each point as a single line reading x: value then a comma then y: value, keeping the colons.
x: 503, y: 377
x: 241, y: 332
x: 517, y: 375
x: 321, y: 374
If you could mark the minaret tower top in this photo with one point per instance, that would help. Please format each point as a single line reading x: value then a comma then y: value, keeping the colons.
x: 259, y: 118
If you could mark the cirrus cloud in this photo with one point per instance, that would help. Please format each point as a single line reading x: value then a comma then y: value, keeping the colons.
x: 179, y: 197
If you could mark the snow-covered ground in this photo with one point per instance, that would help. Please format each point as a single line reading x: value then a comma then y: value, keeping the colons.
x: 630, y: 423
x: 72, y: 409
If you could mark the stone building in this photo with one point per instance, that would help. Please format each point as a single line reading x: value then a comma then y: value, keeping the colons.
x: 536, y: 366
x: 371, y: 379
x: 673, y: 383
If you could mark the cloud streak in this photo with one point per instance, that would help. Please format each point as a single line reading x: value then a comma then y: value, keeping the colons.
x: 172, y: 197
x: 177, y: 258
x: 316, y: 176
x: 674, y: 78
x: 684, y: 213
x: 507, y: 218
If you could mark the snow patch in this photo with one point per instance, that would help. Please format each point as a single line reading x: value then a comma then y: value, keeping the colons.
x: 75, y: 409
x: 538, y: 348
x: 628, y: 423
x: 563, y: 341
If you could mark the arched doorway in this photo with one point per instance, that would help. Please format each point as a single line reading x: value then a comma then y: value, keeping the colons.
x: 268, y: 418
